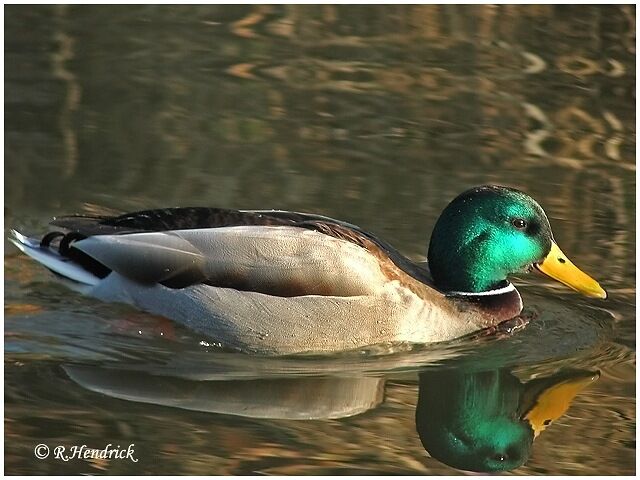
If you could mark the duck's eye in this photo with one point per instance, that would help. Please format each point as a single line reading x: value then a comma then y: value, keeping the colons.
x: 519, y: 223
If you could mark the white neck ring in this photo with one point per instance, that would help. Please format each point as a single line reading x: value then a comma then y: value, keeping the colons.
x: 498, y: 291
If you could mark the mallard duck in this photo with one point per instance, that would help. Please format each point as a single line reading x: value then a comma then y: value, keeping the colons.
x: 278, y: 282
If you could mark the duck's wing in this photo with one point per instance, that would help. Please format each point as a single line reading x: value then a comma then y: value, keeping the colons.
x: 183, y: 246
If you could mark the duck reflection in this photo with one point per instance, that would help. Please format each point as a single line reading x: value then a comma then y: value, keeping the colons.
x: 487, y: 421
x: 293, y: 398
x: 479, y: 421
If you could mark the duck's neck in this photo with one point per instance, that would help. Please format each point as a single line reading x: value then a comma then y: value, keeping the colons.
x: 499, y: 304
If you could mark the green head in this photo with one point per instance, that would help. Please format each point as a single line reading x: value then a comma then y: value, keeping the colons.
x: 484, y: 235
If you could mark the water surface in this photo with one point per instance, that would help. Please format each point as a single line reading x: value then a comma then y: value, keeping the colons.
x: 374, y: 115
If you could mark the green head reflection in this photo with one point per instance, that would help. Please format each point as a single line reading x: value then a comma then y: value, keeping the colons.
x: 487, y: 421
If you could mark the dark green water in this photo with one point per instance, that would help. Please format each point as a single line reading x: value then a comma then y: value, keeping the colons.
x: 375, y: 115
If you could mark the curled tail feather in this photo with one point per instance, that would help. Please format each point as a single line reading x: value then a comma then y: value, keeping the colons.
x: 53, y: 260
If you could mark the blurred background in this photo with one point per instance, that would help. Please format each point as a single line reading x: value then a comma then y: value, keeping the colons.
x: 377, y: 115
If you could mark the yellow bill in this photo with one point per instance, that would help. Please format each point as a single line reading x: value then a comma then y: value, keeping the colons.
x: 557, y: 266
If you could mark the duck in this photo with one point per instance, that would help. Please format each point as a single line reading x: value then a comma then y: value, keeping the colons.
x: 277, y: 282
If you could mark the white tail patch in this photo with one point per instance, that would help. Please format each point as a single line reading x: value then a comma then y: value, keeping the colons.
x: 52, y: 260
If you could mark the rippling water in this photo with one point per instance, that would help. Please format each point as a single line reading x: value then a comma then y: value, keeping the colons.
x: 375, y: 115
